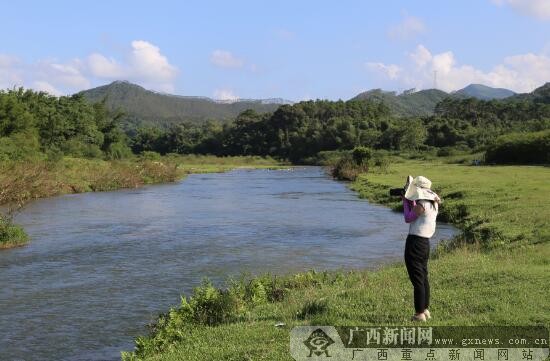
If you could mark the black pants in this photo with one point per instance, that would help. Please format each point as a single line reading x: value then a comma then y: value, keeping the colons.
x: 417, y: 252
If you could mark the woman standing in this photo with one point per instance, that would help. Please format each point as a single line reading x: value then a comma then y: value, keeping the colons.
x: 420, y: 208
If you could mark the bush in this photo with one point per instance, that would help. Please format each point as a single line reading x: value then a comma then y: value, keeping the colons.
x: 149, y: 155
x: 118, y: 151
x: 54, y: 155
x: 361, y: 155
x: 19, y: 146
x: 520, y: 148
x: 347, y: 168
x: 80, y: 149
x: 11, y: 235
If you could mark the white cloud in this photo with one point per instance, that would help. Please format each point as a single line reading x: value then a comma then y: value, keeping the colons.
x: 66, y: 75
x: 390, y: 70
x: 141, y: 63
x: 539, y: 9
x: 45, y: 87
x: 146, y: 62
x: 421, y: 56
x: 144, y: 65
x: 10, y: 72
x: 521, y: 73
x: 7, y: 60
x: 45, y: 75
x: 102, y: 67
x: 408, y: 28
x: 225, y: 59
x: 225, y: 95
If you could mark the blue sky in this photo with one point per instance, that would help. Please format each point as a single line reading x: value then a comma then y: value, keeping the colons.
x: 290, y: 49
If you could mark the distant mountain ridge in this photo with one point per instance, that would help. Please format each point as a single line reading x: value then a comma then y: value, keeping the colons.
x: 484, y: 92
x: 143, y: 106
x: 146, y: 107
x: 539, y: 95
x: 409, y: 103
x: 423, y: 102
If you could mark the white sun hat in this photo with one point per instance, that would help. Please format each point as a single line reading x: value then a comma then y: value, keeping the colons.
x: 419, y: 188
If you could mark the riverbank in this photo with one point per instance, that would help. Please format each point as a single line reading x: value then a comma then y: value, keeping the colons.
x: 495, y: 206
x: 21, y: 182
x: 493, y: 275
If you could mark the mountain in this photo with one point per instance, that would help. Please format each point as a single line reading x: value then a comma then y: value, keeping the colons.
x: 484, y: 92
x: 142, y: 106
x: 539, y: 95
x: 409, y: 103
x: 423, y: 102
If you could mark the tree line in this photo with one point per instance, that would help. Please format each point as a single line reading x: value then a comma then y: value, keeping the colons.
x: 297, y: 132
x: 34, y: 123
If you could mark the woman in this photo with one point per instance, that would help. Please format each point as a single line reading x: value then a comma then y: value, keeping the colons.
x: 420, y: 207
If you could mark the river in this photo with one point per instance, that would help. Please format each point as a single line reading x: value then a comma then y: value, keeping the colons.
x: 100, y: 266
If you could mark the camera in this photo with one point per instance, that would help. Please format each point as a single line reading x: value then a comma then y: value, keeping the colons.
x: 397, y: 192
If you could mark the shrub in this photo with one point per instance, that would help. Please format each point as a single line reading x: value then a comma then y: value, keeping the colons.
x: 81, y: 149
x: 257, y: 293
x: 19, y: 146
x: 54, y: 155
x: 149, y: 155
x: 118, y: 151
x: 11, y: 235
x: 347, y: 169
x: 520, y: 148
x: 361, y: 155
x: 209, y: 305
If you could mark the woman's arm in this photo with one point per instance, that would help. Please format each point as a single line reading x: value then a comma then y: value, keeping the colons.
x: 419, y: 209
x: 410, y: 210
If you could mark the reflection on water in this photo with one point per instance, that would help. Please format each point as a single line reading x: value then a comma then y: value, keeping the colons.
x: 102, y: 265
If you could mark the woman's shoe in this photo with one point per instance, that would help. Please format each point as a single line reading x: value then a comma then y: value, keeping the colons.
x: 419, y: 318
x: 427, y: 314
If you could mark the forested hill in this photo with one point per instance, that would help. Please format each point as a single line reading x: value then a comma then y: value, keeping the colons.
x: 539, y: 95
x: 409, y: 103
x: 422, y: 103
x: 484, y: 92
x: 145, y: 107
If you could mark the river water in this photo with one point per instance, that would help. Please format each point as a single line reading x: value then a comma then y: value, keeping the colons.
x: 100, y: 266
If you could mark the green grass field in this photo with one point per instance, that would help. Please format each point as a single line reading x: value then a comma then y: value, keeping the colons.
x: 495, y: 274
x: 495, y: 205
x: 469, y: 288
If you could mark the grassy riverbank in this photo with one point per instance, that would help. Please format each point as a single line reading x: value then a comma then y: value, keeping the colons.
x: 495, y: 275
x: 21, y: 182
x: 494, y: 205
